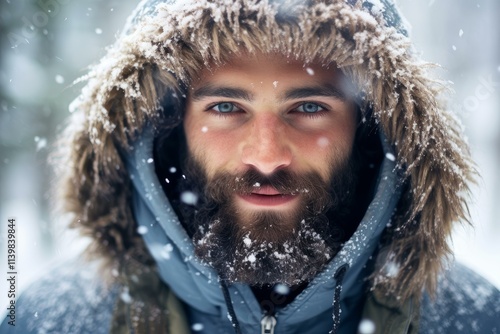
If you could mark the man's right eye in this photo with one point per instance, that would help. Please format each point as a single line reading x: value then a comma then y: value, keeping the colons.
x: 225, y: 107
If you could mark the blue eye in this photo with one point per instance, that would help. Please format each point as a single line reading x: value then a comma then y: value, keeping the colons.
x: 225, y: 107
x: 310, y: 108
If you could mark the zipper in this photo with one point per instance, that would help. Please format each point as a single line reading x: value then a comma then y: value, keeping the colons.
x: 267, y: 324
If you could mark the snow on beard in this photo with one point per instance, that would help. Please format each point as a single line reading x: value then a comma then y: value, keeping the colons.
x: 268, y: 247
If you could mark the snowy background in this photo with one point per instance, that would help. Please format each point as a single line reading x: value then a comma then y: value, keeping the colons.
x: 45, y: 47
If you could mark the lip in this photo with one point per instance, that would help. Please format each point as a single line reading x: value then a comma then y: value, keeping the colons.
x: 267, y: 196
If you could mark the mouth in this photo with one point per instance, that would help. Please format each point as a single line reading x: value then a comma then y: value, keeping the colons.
x: 267, y: 196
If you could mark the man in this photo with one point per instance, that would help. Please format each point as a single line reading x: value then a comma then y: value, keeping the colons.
x: 264, y: 166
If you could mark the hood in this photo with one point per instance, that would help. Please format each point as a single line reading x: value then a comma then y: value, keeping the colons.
x: 137, y: 88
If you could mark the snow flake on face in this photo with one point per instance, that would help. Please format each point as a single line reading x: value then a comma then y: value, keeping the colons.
x: 309, y: 71
x: 275, y: 84
x: 204, y: 129
x: 323, y: 142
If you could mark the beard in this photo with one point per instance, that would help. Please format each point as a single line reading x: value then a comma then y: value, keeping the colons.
x: 266, y: 246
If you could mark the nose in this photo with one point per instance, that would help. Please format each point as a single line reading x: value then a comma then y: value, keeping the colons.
x: 266, y: 146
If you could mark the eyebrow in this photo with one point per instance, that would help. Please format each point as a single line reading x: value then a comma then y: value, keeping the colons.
x: 229, y: 92
x: 305, y: 92
x: 294, y: 93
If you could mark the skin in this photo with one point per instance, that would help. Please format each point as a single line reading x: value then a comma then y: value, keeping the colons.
x: 268, y: 112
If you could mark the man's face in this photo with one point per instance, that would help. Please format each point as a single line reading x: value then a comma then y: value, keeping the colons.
x: 270, y: 136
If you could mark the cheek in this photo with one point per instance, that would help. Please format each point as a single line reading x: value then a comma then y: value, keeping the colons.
x: 215, y: 149
x: 317, y: 150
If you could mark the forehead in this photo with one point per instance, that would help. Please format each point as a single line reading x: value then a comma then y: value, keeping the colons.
x: 269, y: 70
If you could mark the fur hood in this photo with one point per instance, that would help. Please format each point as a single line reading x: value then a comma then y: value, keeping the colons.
x: 140, y: 81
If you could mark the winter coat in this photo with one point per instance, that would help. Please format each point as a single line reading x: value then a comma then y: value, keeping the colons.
x: 391, y: 274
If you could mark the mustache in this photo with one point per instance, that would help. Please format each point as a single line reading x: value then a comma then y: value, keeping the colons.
x: 310, y: 186
x: 284, y: 181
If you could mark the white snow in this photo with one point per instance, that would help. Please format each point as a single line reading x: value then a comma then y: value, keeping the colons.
x: 390, y: 156
x: 197, y: 327
x: 282, y: 289
x: 366, y: 326
x: 310, y: 71
x: 188, y: 197
x: 247, y: 241
x: 40, y: 143
x: 378, y: 7
x: 125, y: 296
x: 142, y: 230
x: 323, y: 142
x: 59, y: 79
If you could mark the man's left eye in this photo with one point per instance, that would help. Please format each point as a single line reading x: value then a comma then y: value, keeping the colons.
x: 309, y: 108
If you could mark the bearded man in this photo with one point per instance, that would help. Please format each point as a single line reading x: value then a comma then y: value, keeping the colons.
x: 264, y: 166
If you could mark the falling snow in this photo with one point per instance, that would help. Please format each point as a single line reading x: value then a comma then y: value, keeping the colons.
x: 366, y: 326
x: 251, y: 258
x: 188, y: 197
x: 40, y: 143
x: 282, y: 289
x: 59, y: 79
x: 125, y: 296
x: 390, y: 156
x: 197, y: 327
x: 142, y: 230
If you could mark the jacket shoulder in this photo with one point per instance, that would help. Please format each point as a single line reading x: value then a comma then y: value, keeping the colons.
x: 465, y: 303
x: 69, y: 299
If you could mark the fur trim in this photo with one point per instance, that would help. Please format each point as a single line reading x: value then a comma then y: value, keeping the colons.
x: 147, y: 68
